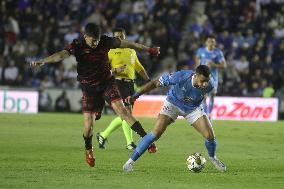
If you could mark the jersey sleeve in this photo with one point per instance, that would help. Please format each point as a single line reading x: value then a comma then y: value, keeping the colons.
x: 220, y: 56
x: 137, y: 65
x: 198, y: 53
x: 171, y: 78
x: 211, y: 85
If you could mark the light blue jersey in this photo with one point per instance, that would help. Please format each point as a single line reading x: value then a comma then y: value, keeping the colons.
x: 182, y: 93
x: 216, y: 56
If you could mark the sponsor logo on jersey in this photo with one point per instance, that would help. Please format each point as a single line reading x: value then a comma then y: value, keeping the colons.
x: 187, y: 99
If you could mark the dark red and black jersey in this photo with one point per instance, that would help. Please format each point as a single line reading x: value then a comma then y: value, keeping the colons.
x: 93, y: 65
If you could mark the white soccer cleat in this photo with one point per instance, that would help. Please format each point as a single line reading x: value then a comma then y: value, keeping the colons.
x: 218, y: 164
x: 128, y: 167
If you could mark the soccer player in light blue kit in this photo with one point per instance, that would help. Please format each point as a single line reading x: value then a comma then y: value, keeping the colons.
x: 183, y: 99
x: 214, y: 59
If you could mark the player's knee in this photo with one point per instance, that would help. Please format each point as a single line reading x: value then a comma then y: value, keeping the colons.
x: 88, y: 120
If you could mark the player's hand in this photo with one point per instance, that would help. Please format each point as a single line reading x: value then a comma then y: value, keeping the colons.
x: 130, y: 99
x: 120, y: 69
x: 36, y: 63
x: 154, y: 51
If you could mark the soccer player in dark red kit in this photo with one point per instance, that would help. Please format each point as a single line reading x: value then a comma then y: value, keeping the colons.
x: 96, y: 80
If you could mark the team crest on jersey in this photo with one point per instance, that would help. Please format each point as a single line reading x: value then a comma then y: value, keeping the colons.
x: 187, y: 99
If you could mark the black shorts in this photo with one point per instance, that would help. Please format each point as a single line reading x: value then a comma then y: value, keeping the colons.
x: 125, y: 87
x: 94, y: 97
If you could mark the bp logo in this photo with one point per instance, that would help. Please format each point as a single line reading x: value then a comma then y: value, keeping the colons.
x: 11, y: 101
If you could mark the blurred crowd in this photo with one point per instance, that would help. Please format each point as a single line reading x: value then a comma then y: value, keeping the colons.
x: 250, y: 33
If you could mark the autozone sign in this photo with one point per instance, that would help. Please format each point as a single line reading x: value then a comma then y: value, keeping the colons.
x: 237, y: 108
x: 225, y: 108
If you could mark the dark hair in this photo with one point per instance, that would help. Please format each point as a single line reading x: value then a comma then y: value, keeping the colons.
x: 203, y: 70
x: 93, y: 30
x: 118, y: 29
x: 209, y: 36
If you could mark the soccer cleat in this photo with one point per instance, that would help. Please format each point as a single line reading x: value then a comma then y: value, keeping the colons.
x: 127, y: 167
x: 152, y: 148
x: 218, y: 164
x: 90, y: 159
x: 131, y: 146
x: 101, y: 140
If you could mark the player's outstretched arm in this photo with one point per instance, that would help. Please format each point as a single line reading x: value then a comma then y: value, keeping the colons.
x: 151, y: 50
x: 144, y: 75
x: 149, y: 86
x: 144, y: 89
x: 56, y: 57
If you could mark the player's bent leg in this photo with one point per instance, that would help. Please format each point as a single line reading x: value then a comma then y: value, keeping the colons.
x: 159, y: 129
x: 115, y: 124
x: 130, y: 145
x: 102, y: 136
x: 88, y: 135
x: 120, y: 109
x: 88, y: 124
x: 161, y: 124
x: 203, y: 126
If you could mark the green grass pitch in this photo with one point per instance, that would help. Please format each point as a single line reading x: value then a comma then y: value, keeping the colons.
x: 46, y: 151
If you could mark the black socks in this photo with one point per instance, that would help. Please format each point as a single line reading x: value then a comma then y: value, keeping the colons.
x: 88, y: 142
x: 137, y: 127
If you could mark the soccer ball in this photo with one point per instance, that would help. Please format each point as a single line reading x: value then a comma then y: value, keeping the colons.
x: 195, y: 162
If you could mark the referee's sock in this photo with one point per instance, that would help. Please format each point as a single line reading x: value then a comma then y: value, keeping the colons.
x: 137, y: 127
x: 127, y: 132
